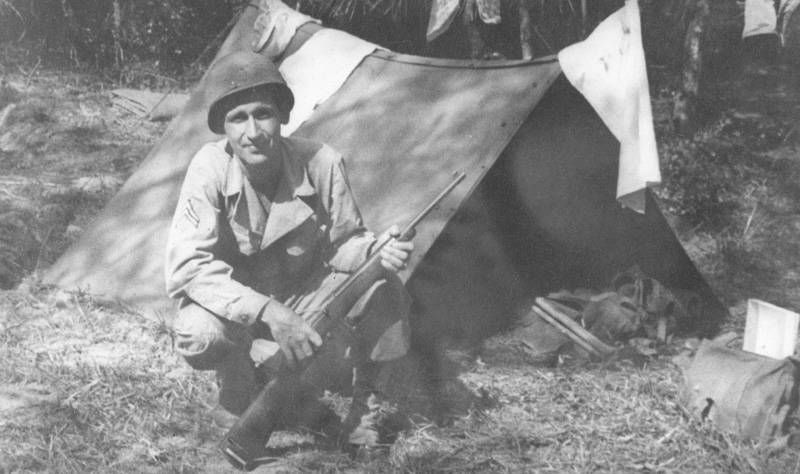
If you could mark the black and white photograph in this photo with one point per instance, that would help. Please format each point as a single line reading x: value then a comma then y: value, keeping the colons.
x: 399, y: 236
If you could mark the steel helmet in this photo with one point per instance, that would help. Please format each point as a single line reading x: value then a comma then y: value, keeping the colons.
x: 242, y: 76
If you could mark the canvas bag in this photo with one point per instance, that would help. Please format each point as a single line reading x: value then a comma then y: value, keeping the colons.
x: 742, y: 392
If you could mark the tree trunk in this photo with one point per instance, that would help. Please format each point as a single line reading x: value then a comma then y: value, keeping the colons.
x: 584, y: 19
x: 116, y: 33
x: 61, y: 34
x: 685, y: 108
x: 525, y: 30
x: 477, y: 47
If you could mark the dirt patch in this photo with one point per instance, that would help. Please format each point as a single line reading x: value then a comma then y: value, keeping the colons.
x: 15, y: 398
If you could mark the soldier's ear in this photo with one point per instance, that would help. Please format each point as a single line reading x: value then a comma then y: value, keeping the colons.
x: 284, y: 110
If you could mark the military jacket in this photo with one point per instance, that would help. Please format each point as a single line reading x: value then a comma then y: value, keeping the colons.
x: 230, y: 249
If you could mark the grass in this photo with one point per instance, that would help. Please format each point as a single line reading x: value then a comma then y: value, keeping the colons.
x: 91, y: 387
x: 107, y: 393
x: 108, y: 385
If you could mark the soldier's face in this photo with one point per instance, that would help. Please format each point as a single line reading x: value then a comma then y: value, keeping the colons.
x: 253, y: 129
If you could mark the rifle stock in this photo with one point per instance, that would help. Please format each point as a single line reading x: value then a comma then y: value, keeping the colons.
x: 244, y: 446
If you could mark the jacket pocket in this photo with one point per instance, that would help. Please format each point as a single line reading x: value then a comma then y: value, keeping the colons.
x: 302, y: 247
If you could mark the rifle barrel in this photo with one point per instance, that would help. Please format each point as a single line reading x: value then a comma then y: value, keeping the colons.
x: 364, y: 267
x: 416, y: 220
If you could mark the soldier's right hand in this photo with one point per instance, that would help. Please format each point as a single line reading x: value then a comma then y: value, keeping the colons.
x: 293, y: 334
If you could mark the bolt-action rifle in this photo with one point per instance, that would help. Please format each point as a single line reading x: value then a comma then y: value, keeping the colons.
x: 244, y: 446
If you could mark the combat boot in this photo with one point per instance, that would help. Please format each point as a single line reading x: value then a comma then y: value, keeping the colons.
x: 372, y: 423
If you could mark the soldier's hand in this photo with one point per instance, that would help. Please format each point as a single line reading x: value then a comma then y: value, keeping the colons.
x: 293, y: 334
x: 395, y: 254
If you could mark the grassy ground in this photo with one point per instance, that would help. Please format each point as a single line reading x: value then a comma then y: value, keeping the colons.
x: 91, y: 388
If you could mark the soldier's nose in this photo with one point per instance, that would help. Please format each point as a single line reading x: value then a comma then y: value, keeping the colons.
x: 250, y: 128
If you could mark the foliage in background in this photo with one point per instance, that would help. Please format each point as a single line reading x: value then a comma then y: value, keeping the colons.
x: 396, y: 24
x: 174, y: 32
x: 705, y: 176
x: 109, y: 32
x: 732, y: 186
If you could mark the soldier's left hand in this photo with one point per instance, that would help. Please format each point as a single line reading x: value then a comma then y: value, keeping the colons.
x: 395, y: 254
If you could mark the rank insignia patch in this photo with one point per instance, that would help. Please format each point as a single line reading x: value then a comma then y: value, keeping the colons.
x: 191, y: 214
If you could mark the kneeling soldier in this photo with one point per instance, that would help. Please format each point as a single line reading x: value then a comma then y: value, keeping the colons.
x: 265, y: 228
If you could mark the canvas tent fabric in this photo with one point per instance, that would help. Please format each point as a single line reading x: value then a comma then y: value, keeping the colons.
x: 536, y: 212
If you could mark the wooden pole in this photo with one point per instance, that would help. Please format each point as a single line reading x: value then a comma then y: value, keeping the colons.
x: 564, y: 330
x: 555, y: 310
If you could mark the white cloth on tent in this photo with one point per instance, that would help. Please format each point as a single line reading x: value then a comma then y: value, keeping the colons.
x: 443, y: 12
x: 319, y: 68
x: 608, y: 68
x: 785, y: 13
x: 276, y: 25
x: 489, y: 11
x: 760, y: 18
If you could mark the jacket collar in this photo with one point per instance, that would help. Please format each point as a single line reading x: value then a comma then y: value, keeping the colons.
x: 287, y: 210
x: 295, y: 174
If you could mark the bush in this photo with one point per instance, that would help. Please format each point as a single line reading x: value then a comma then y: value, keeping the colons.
x: 697, y: 182
x: 711, y: 178
x: 168, y: 31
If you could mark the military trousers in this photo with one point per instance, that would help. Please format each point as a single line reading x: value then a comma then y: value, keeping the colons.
x: 211, y: 342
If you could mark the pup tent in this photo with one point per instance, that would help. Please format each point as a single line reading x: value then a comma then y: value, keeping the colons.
x: 536, y: 212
